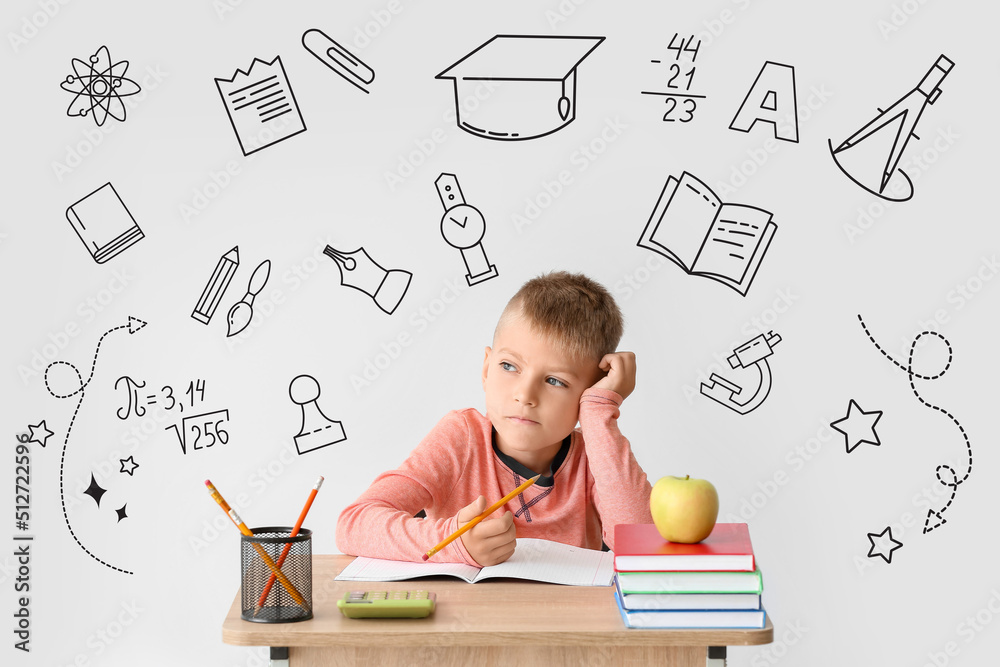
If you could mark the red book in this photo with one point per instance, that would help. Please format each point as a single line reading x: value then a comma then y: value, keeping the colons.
x: 640, y: 548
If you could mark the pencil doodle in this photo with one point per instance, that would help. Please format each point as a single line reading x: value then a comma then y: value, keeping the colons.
x: 217, y: 285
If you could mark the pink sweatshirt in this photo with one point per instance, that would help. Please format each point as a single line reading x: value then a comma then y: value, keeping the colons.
x: 593, y: 487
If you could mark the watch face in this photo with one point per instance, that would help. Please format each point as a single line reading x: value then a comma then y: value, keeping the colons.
x: 463, y: 226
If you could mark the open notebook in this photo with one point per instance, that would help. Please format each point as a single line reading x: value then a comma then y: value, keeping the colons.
x: 538, y: 560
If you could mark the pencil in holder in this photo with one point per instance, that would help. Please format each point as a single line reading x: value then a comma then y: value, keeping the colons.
x: 288, y: 595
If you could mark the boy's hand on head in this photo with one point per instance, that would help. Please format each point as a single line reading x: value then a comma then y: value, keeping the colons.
x: 491, y: 541
x: 619, y: 369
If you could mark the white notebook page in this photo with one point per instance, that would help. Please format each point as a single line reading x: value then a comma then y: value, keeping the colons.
x: 556, y: 563
x: 534, y: 559
x: 378, y: 569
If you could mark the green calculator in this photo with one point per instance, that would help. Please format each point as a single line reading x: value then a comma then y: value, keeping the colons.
x: 387, y: 604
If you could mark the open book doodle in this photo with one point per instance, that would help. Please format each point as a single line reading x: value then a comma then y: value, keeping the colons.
x: 538, y: 560
x: 691, y: 227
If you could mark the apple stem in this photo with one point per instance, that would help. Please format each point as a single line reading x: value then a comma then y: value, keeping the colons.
x: 687, y: 476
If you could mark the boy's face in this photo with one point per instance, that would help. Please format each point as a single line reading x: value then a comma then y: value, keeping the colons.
x: 533, y: 390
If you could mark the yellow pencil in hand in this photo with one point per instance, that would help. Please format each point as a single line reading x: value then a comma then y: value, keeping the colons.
x: 485, y: 513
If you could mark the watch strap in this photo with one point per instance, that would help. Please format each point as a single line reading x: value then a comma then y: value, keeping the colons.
x: 449, y: 191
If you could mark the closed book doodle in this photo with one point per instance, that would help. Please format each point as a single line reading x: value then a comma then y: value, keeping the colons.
x: 103, y: 223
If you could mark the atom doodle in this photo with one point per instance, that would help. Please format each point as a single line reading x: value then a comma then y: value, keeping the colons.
x: 99, y: 87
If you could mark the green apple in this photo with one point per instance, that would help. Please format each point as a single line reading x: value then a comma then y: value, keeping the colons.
x: 684, y: 509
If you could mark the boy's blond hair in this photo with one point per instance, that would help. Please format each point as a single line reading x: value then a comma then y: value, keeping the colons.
x: 571, y: 310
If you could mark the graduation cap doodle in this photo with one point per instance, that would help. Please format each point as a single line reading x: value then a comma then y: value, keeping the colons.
x: 532, y: 89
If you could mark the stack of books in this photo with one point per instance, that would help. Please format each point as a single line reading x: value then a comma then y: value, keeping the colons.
x: 712, y: 584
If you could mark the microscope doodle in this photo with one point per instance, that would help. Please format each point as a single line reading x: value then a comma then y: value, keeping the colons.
x: 753, y: 353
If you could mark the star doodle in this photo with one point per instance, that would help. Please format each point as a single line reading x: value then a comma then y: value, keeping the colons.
x: 39, y: 428
x: 95, y: 491
x: 881, y: 542
x: 99, y: 86
x: 858, y: 426
x: 121, y: 512
x: 128, y: 465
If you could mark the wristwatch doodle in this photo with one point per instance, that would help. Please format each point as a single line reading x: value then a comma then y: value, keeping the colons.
x: 463, y: 227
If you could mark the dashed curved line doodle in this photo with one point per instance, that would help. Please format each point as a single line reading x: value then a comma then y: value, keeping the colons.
x: 133, y: 325
x: 908, y: 369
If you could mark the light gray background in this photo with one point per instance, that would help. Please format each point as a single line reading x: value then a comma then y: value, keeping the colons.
x: 901, y: 268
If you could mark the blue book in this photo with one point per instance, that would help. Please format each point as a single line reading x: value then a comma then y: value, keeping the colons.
x: 687, y: 619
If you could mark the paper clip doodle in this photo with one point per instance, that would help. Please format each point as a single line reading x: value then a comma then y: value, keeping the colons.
x: 338, y: 59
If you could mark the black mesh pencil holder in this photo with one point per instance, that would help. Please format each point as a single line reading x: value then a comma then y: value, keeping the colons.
x: 286, y: 601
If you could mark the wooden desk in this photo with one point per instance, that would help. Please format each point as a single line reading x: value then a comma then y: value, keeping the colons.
x: 495, y: 622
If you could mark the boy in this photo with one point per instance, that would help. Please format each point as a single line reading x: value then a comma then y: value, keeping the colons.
x: 553, y: 361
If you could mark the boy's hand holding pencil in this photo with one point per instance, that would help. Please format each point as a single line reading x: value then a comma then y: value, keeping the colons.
x: 492, y: 541
x: 488, y: 542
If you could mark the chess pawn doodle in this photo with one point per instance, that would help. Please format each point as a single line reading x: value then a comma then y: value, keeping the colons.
x: 317, y: 429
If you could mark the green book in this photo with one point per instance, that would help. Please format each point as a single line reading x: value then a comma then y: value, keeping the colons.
x: 690, y: 582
